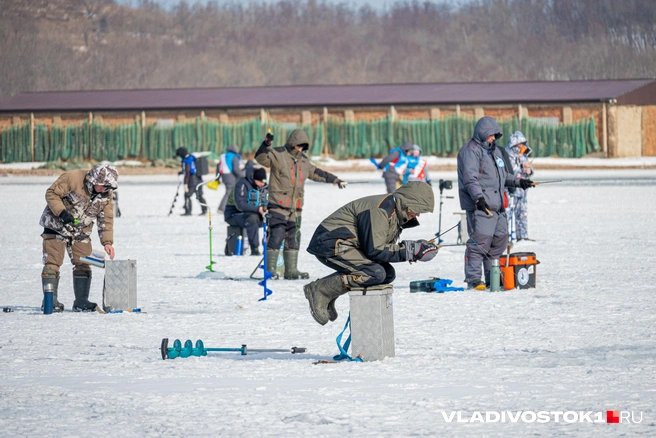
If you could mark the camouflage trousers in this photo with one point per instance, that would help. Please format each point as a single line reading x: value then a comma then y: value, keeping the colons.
x: 54, y: 248
x: 521, y: 217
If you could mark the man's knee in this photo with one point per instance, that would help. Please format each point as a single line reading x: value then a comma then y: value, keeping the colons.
x: 252, y: 220
x: 276, y: 236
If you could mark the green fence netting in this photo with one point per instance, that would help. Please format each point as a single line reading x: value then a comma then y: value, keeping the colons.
x: 340, y: 139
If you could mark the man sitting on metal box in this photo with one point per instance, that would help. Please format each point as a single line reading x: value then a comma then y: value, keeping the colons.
x: 359, y: 242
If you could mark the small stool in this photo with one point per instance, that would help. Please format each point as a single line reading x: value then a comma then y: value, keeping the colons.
x: 231, y: 242
x: 372, y: 322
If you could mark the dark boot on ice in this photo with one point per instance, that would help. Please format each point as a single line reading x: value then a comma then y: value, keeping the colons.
x: 291, y: 262
x: 321, y: 293
x: 255, y: 251
x: 81, y: 287
x: 187, y: 207
x: 272, y: 263
x: 52, y: 277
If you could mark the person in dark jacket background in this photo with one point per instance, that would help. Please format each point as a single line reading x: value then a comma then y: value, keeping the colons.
x: 244, y: 208
x: 482, y: 177
x: 229, y: 168
x: 191, y: 180
x: 289, y: 170
x: 359, y: 241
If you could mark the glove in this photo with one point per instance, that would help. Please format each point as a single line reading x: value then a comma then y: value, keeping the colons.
x: 482, y: 205
x: 339, y: 183
x: 186, y: 188
x: 526, y: 184
x: 268, y: 139
x: 420, y: 250
x: 66, y: 217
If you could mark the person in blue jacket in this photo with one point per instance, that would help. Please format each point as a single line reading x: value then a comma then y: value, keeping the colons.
x: 229, y: 168
x: 482, y: 176
x: 394, y: 166
x: 191, y: 180
x: 247, y: 205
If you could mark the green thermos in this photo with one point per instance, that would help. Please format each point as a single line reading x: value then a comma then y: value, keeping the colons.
x: 495, y: 276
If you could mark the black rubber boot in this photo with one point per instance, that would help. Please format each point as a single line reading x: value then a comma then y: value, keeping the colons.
x: 272, y: 263
x: 187, y: 207
x: 81, y: 287
x: 321, y: 293
x: 52, y: 278
x: 291, y: 262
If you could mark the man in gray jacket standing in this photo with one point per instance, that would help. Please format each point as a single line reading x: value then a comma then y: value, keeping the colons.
x: 482, y: 176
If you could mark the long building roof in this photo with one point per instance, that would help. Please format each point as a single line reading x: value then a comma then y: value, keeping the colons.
x: 630, y: 91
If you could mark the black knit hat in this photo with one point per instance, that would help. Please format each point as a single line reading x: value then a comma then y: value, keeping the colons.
x: 182, y: 152
x: 259, y: 174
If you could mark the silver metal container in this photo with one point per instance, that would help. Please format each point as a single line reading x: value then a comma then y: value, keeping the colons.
x: 120, y: 289
x: 372, y: 322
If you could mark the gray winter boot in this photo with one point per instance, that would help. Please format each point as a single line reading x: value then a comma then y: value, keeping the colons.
x: 272, y: 263
x: 321, y: 293
x: 291, y: 262
x: 81, y: 287
x: 52, y: 277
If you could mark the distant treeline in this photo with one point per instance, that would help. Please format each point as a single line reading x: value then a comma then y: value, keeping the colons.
x: 97, y: 44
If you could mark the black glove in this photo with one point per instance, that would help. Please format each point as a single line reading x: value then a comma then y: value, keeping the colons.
x: 420, y: 250
x: 482, y: 205
x: 339, y: 183
x: 268, y: 139
x: 526, y: 184
x: 66, y: 217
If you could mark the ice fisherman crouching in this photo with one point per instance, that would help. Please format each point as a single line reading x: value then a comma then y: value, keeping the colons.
x: 359, y: 242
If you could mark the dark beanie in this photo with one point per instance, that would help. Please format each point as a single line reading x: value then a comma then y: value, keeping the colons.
x: 259, y: 174
x: 181, y: 152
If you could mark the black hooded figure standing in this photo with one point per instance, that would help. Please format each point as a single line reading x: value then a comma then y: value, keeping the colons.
x: 191, y: 180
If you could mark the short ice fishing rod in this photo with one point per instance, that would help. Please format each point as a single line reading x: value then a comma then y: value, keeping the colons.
x: 535, y: 183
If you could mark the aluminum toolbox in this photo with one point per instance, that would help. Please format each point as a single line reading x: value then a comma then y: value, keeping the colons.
x: 372, y: 322
x: 120, y: 289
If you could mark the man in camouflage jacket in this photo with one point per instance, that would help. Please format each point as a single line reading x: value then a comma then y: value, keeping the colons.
x: 289, y: 170
x: 74, y: 202
x: 360, y: 241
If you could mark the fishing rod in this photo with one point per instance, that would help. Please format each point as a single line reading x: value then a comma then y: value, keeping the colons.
x: 535, y: 183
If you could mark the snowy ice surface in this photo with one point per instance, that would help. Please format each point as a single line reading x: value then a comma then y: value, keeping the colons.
x: 582, y: 340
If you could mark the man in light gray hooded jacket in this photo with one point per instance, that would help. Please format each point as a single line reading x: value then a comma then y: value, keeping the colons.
x: 482, y: 176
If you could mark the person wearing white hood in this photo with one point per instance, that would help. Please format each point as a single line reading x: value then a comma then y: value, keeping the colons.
x: 518, y: 152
